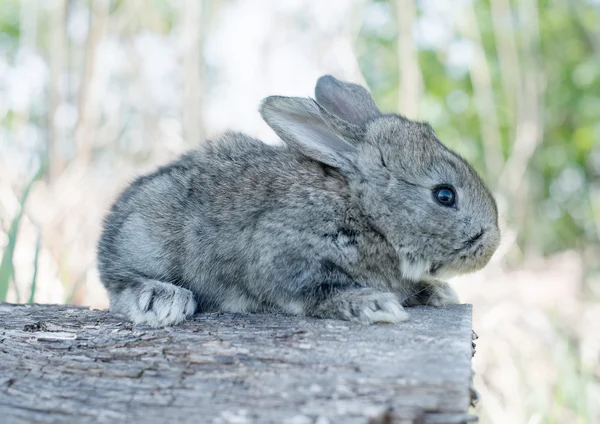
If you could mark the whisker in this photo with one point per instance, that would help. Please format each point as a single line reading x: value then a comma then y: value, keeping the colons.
x: 435, y: 292
x: 426, y: 286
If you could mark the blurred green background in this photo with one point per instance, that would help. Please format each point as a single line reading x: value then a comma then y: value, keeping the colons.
x: 94, y: 92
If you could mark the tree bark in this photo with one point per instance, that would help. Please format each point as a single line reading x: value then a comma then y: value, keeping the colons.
x: 63, y: 364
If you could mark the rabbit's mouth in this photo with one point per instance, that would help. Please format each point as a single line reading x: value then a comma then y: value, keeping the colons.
x: 475, y: 253
x: 469, y: 243
x: 471, y: 255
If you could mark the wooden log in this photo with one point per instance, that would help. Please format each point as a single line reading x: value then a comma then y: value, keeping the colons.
x: 65, y: 364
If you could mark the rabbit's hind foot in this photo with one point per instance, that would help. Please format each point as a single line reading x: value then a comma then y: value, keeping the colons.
x: 155, y: 303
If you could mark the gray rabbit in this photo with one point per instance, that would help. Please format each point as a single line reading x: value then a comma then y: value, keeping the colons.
x: 356, y: 216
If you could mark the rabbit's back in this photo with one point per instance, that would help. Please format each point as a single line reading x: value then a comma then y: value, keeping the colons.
x: 207, y: 220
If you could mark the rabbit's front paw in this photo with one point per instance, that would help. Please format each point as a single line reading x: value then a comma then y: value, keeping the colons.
x: 155, y: 303
x: 365, y: 306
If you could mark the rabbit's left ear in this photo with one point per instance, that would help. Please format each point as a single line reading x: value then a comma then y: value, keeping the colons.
x: 305, y: 127
x: 349, y: 102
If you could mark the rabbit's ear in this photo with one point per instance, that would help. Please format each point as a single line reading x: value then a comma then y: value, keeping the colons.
x: 300, y: 123
x: 349, y: 102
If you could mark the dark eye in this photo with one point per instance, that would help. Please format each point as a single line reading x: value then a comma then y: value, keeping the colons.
x: 444, y: 195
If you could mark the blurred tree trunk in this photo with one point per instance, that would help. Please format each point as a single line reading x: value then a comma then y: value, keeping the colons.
x: 508, y: 56
x: 409, y: 72
x: 56, y: 58
x: 55, y: 233
x: 192, y: 63
x: 529, y: 125
x: 84, y: 131
x: 483, y: 93
x: 28, y: 17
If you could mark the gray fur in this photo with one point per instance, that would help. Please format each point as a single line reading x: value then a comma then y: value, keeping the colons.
x: 340, y: 222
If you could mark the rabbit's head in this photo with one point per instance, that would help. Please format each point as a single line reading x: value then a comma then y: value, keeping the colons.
x: 426, y: 200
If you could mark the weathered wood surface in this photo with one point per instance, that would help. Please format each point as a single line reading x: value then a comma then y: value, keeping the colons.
x: 63, y: 364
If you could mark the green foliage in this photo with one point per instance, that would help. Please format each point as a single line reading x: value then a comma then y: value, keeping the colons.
x: 574, y: 388
x: 9, y: 20
x: 571, y: 135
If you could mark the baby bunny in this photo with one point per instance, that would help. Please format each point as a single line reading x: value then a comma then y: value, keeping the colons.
x: 356, y: 216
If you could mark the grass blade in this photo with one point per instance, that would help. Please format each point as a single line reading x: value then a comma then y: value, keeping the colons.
x: 38, y: 245
x: 6, y: 266
x: 15, y: 286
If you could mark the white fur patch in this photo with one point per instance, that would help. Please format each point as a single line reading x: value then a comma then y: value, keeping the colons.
x: 413, y: 271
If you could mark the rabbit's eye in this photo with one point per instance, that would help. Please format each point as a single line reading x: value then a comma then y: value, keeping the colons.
x: 445, y: 195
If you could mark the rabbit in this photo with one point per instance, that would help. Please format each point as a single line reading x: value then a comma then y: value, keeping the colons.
x: 357, y: 215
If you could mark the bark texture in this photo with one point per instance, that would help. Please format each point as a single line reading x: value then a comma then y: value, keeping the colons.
x: 62, y: 364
